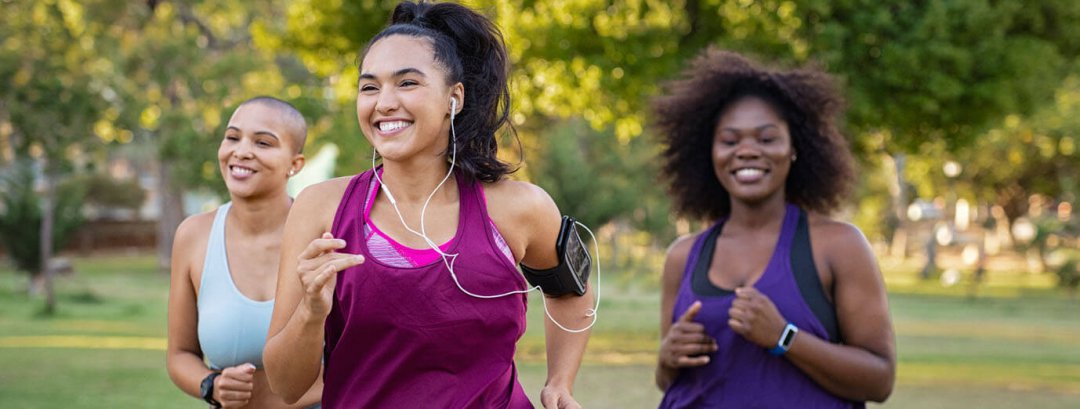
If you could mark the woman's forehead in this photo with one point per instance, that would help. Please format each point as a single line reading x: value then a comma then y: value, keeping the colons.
x: 749, y: 111
x: 255, y: 117
x: 396, y: 52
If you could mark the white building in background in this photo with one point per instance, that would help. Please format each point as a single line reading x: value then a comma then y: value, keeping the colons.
x: 317, y: 168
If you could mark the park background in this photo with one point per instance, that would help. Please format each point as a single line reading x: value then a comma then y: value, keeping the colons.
x: 964, y: 116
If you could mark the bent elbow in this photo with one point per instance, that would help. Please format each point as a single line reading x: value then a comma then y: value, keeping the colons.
x: 171, y: 369
x: 280, y: 385
x: 291, y: 399
x: 881, y: 392
x: 282, y: 389
x: 882, y: 395
x: 277, y: 385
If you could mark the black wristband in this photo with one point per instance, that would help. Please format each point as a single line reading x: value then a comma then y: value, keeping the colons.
x: 206, y: 389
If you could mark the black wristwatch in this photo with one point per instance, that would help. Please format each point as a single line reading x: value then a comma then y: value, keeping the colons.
x: 207, y: 389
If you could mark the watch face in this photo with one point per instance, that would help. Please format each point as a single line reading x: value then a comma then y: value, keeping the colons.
x: 789, y: 335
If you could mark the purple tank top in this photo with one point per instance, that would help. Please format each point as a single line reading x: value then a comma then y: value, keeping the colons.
x: 742, y: 374
x: 401, y: 337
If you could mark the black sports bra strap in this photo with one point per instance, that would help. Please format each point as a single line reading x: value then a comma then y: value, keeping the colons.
x: 699, y: 281
x: 806, y: 276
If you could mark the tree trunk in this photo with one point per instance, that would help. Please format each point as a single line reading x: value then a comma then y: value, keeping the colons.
x: 172, y: 213
x: 48, y: 213
x: 616, y: 227
x: 894, y: 166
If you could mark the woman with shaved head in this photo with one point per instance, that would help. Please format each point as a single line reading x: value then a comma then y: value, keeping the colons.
x: 225, y: 263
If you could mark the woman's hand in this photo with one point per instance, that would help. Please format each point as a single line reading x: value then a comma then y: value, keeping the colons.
x: 318, y: 266
x: 557, y: 398
x: 754, y: 316
x: 232, y: 389
x: 686, y: 343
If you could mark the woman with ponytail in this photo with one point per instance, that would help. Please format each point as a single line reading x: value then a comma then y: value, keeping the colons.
x: 403, y: 278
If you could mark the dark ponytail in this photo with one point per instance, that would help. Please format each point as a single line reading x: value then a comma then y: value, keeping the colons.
x: 471, y: 49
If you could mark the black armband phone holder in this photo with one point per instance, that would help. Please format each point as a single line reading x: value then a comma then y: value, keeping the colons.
x: 572, y: 273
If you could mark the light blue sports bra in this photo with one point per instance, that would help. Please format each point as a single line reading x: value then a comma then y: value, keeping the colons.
x: 232, y: 327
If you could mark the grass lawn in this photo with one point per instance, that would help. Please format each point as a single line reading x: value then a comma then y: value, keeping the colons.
x: 1013, y: 347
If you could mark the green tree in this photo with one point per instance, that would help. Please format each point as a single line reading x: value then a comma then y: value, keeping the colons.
x: 21, y: 215
x: 584, y: 177
x: 105, y: 192
x: 50, y: 99
x: 915, y: 72
x: 941, y: 70
x: 182, y: 67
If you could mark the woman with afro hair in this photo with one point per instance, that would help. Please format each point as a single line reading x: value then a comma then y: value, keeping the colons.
x: 776, y: 303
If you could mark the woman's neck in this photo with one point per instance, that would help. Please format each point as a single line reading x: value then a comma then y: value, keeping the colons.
x: 757, y: 215
x: 261, y: 215
x: 413, y: 182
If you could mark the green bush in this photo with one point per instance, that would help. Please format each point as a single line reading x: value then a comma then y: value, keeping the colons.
x: 104, y: 191
x: 21, y: 216
x: 1069, y: 272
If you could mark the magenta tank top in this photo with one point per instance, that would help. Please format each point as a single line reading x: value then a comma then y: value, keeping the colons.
x: 741, y: 374
x: 407, y: 337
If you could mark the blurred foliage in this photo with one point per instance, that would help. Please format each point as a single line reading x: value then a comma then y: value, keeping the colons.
x: 1069, y: 272
x: 187, y: 104
x: 20, y: 215
x: 104, y: 191
x: 165, y: 73
x: 1021, y: 157
x: 942, y: 70
x: 982, y: 82
x: 922, y: 71
x: 50, y: 88
x: 596, y: 179
x: 922, y: 78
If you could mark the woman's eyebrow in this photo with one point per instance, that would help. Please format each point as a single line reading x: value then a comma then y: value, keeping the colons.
x: 398, y: 73
x: 259, y: 132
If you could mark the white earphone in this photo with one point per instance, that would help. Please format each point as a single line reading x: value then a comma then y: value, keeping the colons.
x: 453, y: 108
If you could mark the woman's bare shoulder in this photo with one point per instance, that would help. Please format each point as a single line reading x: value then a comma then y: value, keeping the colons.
x: 195, y: 228
x: 523, y: 194
x: 322, y: 195
x: 835, y: 233
x: 521, y: 201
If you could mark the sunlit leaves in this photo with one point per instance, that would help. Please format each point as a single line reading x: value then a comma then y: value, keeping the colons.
x: 1019, y: 157
x: 940, y: 69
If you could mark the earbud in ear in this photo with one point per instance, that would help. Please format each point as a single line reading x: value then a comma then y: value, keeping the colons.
x: 453, y: 107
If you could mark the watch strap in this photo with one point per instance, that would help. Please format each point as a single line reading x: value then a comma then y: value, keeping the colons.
x: 207, y: 389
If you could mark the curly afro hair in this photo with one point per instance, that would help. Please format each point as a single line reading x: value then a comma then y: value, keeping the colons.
x: 807, y: 99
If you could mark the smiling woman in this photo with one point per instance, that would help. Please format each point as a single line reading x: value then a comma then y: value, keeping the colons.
x: 222, y: 289
x: 403, y: 278
x: 753, y: 315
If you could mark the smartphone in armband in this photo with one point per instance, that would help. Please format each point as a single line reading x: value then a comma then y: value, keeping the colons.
x: 572, y: 273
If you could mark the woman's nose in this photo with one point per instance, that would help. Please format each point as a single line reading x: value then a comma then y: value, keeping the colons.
x: 747, y: 151
x: 243, y: 151
x: 386, y: 102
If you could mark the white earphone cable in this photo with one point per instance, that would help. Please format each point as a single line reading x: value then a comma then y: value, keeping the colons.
x: 449, y: 259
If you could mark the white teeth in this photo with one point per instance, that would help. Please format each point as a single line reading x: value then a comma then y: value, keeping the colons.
x: 236, y: 170
x: 391, y: 126
x: 749, y: 172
